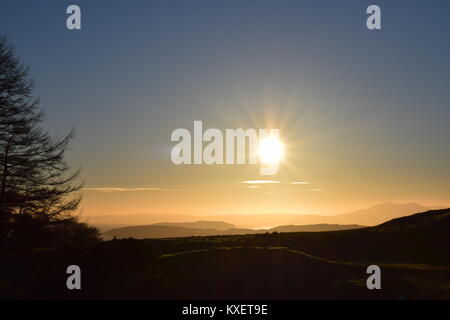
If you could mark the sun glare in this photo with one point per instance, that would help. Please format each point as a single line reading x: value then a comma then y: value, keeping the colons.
x: 270, y: 150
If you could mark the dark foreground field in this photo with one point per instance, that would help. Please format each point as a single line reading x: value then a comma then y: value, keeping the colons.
x: 413, y: 253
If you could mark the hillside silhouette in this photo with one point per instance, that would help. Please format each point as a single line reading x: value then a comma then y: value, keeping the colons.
x: 203, y: 228
x: 370, y: 216
x: 217, y: 225
x: 412, y: 252
x: 436, y: 221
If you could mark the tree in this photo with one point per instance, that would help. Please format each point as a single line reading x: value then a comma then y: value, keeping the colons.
x: 34, y: 176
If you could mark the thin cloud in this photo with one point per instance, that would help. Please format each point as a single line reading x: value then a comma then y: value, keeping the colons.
x: 300, y: 182
x: 260, y: 181
x: 253, y: 187
x: 113, y: 189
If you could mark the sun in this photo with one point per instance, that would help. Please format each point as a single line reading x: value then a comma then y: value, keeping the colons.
x: 270, y: 150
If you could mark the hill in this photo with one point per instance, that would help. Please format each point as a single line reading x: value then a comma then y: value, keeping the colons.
x: 433, y: 221
x: 371, y: 216
x: 203, y: 228
x: 159, y: 231
x: 377, y: 214
x: 419, y: 239
x: 412, y: 252
x: 217, y: 225
x: 316, y: 228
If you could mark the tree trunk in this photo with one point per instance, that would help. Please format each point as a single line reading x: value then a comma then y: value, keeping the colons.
x: 3, y: 182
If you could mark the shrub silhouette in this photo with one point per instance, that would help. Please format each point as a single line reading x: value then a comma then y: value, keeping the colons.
x: 113, y: 268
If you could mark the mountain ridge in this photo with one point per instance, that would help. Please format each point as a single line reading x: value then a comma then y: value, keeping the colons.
x: 177, y: 231
x: 370, y: 216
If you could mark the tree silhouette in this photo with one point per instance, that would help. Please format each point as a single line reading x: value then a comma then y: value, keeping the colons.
x: 34, y: 177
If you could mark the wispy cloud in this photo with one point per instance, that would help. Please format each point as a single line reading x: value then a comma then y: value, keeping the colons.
x: 259, y: 181
x: 300, y: 182
x: 114, y: 189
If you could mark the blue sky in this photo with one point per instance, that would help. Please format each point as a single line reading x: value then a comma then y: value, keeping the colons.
x: 368, y: 107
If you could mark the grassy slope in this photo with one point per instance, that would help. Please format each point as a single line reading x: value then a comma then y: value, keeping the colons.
x: 412, y: 252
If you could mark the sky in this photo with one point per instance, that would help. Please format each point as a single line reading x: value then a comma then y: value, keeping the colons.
x: 363, y: 114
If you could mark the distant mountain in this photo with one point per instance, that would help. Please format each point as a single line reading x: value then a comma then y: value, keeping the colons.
x: 369, y: 217
x: 316, y: 228
x: 296, y: 223
x: 218, y: 225
x: 140, y: 219
x: 377, y: 214
x: 175, y: 230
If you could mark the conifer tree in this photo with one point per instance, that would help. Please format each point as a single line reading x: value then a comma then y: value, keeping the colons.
x: 34, y: 176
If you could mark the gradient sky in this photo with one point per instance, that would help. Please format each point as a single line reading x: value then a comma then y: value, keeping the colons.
x: 364, y: 114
